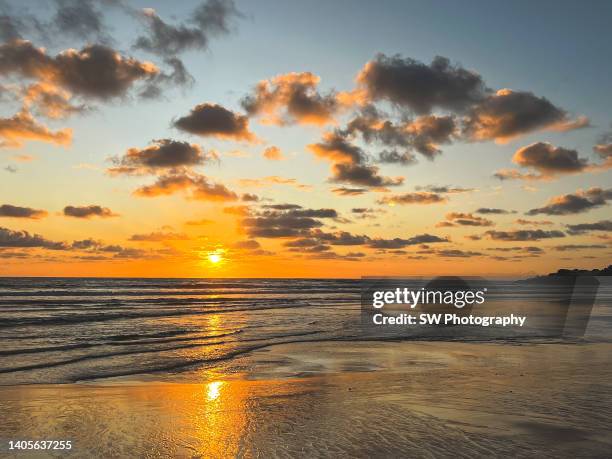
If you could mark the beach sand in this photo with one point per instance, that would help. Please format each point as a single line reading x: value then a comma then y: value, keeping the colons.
x: 337, y: 399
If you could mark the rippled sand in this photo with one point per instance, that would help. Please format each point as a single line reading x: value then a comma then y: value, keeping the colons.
x: 340, y: 399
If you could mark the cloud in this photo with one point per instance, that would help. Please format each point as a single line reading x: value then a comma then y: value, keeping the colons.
x: 548, y: 161
x: 574, y: 203
x: 292, y: 98
x: 395, y: 157
x: 572, y: 247
x: 523, y: 235
x: 418, y: 197
x: 249, y: 244
x: 493, y: 211
x: 11, y: 169
x: 273, y: 154
x: 422, y: 134
x: 604, y: 150
x: 344, y: 191
x: 88, y: 211
x: 581, y: 228
x: 51, y: 101
x: 273, y: 180
x: 398, y: 243
x: 10, y: 238
x: 408, y: 83
x: 522, y: 221
x: 197, y: 186
x: 445, y: 189
x: 161, y: 155
x: 23, y: 127
x: 8, y: 210
x: 456, y: 253
x: 249, y: 197
x: 215, y: 121
x: 158, y: 236
x: 80, y: 19
x: 465, y: 219
x: 339, y: 237
x: 279, y: 222
x: 210, y: 19
x: 508, y: 114
x: 96, y: 71
x: 349, y: 162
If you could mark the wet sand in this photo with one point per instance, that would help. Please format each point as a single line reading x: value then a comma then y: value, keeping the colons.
x: 335, y: 399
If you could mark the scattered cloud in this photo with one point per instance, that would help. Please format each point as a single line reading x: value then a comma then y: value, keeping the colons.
x: 547, y: 161
x: 581, y: 228
x: 418, y: 197
x: 158, y: 236
x: 88, y: 211
x: 23, y: 127
x: 273, y: 154
x: 11, y: 238
x: 161, y: 155
x: 292, y: 98
x: 198, y: 187
x: 508, y: 114
x: 349, y: 162
x: 575, y: 203
x: 213, y: 120
x: 493, y: 211
x: 464, y: 219
x: 8, y: 210
x: 408, y: 83
x: 523, y: 235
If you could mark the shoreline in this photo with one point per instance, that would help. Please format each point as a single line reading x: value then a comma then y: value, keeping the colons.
x: 452, y: 399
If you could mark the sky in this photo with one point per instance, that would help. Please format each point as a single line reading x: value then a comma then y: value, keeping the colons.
x: 306, y: 139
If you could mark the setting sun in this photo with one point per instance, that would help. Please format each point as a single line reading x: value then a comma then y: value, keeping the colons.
x: 214, y: 258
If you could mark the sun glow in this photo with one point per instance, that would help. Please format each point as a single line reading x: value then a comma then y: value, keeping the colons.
x: 214, y: 258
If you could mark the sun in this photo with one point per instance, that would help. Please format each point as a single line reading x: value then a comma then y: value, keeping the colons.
x: 214, y: 258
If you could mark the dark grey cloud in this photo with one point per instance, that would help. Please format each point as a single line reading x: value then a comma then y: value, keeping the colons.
x: 345, y: 191
x: 96, y: 71
x: 445, y: 189
x: 161, y: 155
x: 581, y: 228
x: 575, y: 203
x: 422, y: 134
x: 572, y: 247
x: 420, y: 87
x: 493, y: 211
x: 8, y: 210
x: 349, y: 162
x: 272, y: 222
x: 81, y: 19
x: 398, y: 243
x: 88, y: 211
x: 417, y: 197
x: 466, y: 219
x: 158, y: 236
x: 523, y: 235
x: 197, y: 186
x: 339, y: 237
x: 208, y: 20
x: 395, y: 157
x: 547, y: 161
x: 507, y: 114
x: 216, y: 121
x: 456, y: 253
x: 10, y: 238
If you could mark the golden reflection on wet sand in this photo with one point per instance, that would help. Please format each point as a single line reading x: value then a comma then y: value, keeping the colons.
x: 429, y: 399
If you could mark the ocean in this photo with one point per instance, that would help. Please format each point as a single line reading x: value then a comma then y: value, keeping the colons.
x: 65, y: 330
